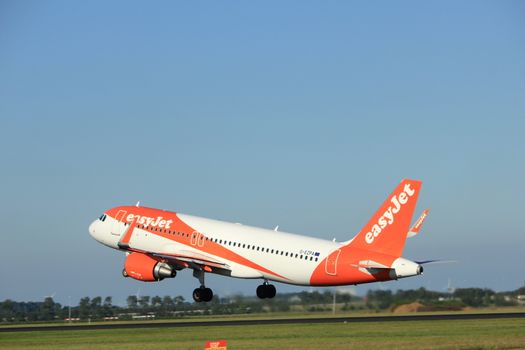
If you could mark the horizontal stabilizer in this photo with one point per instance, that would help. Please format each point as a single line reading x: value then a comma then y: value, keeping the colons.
x: 372, y: 267
x: 437, y: 261
x: 370, y: 264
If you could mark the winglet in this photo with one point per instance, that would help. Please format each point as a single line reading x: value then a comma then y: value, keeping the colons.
x: 417, y: 226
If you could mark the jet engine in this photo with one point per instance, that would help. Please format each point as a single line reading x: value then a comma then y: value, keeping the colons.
x: 145, y: 268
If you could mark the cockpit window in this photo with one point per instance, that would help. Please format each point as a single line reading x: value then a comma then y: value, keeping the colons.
x: 102, y: 217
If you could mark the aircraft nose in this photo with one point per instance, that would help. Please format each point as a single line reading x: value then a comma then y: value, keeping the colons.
x: 92, y: 229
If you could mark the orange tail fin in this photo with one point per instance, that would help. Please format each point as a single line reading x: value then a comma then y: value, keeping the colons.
x: 386, y: 232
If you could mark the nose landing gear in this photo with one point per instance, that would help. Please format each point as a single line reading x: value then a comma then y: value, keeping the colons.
x: 266, y: 290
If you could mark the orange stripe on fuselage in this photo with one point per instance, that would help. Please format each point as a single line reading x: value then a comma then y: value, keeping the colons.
x: 169, y: 221
x: 129, y: 233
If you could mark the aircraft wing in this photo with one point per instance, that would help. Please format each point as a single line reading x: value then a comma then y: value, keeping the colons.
x: 186, y: 258
x: 180, y: 257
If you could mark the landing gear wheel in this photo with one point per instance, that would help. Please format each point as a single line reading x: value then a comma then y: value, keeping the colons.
x: 261, y: 291
x: 202, y: 294
x: 124, y: 273
x: 197, y: 294
x: 271, y: 291
x: 266, y: 291
x: 208, y: 294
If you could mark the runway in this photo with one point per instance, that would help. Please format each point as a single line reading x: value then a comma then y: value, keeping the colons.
x: 269, y: 321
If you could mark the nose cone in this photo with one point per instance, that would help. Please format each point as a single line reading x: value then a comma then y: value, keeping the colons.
x: 100, y: 232
x: 92, y: 230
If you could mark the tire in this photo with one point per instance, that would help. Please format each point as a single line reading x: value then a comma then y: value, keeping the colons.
x: 270, y: 291
x: 124, y: 273
x: 261, y: 291
x: 197, y: 295
x: 207, y: 294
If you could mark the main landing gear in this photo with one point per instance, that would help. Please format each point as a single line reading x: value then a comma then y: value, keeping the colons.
x: 266, y: 290
x: 202, y: 293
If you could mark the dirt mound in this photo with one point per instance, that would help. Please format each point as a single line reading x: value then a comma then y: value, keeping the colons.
x: 407, y: 308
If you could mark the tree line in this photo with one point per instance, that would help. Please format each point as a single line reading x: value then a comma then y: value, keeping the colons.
x: 99, y: 308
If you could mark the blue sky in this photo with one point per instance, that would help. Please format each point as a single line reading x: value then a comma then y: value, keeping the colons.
x: 303, y: 114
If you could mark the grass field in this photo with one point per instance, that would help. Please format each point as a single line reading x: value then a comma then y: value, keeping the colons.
x: 471, y: 334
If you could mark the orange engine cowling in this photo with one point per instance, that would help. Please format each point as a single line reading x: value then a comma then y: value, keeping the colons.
x: 145, y: 268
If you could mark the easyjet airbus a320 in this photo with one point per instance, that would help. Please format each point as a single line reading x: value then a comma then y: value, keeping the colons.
x: 159, y: 243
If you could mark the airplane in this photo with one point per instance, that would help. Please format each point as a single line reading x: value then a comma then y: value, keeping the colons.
x: 158, y: 243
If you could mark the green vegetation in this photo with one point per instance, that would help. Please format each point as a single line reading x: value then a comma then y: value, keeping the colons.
x: 167, y: 307
x: 471, y: 334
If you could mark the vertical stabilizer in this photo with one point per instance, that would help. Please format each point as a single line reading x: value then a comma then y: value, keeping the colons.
x: 386, y: 231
